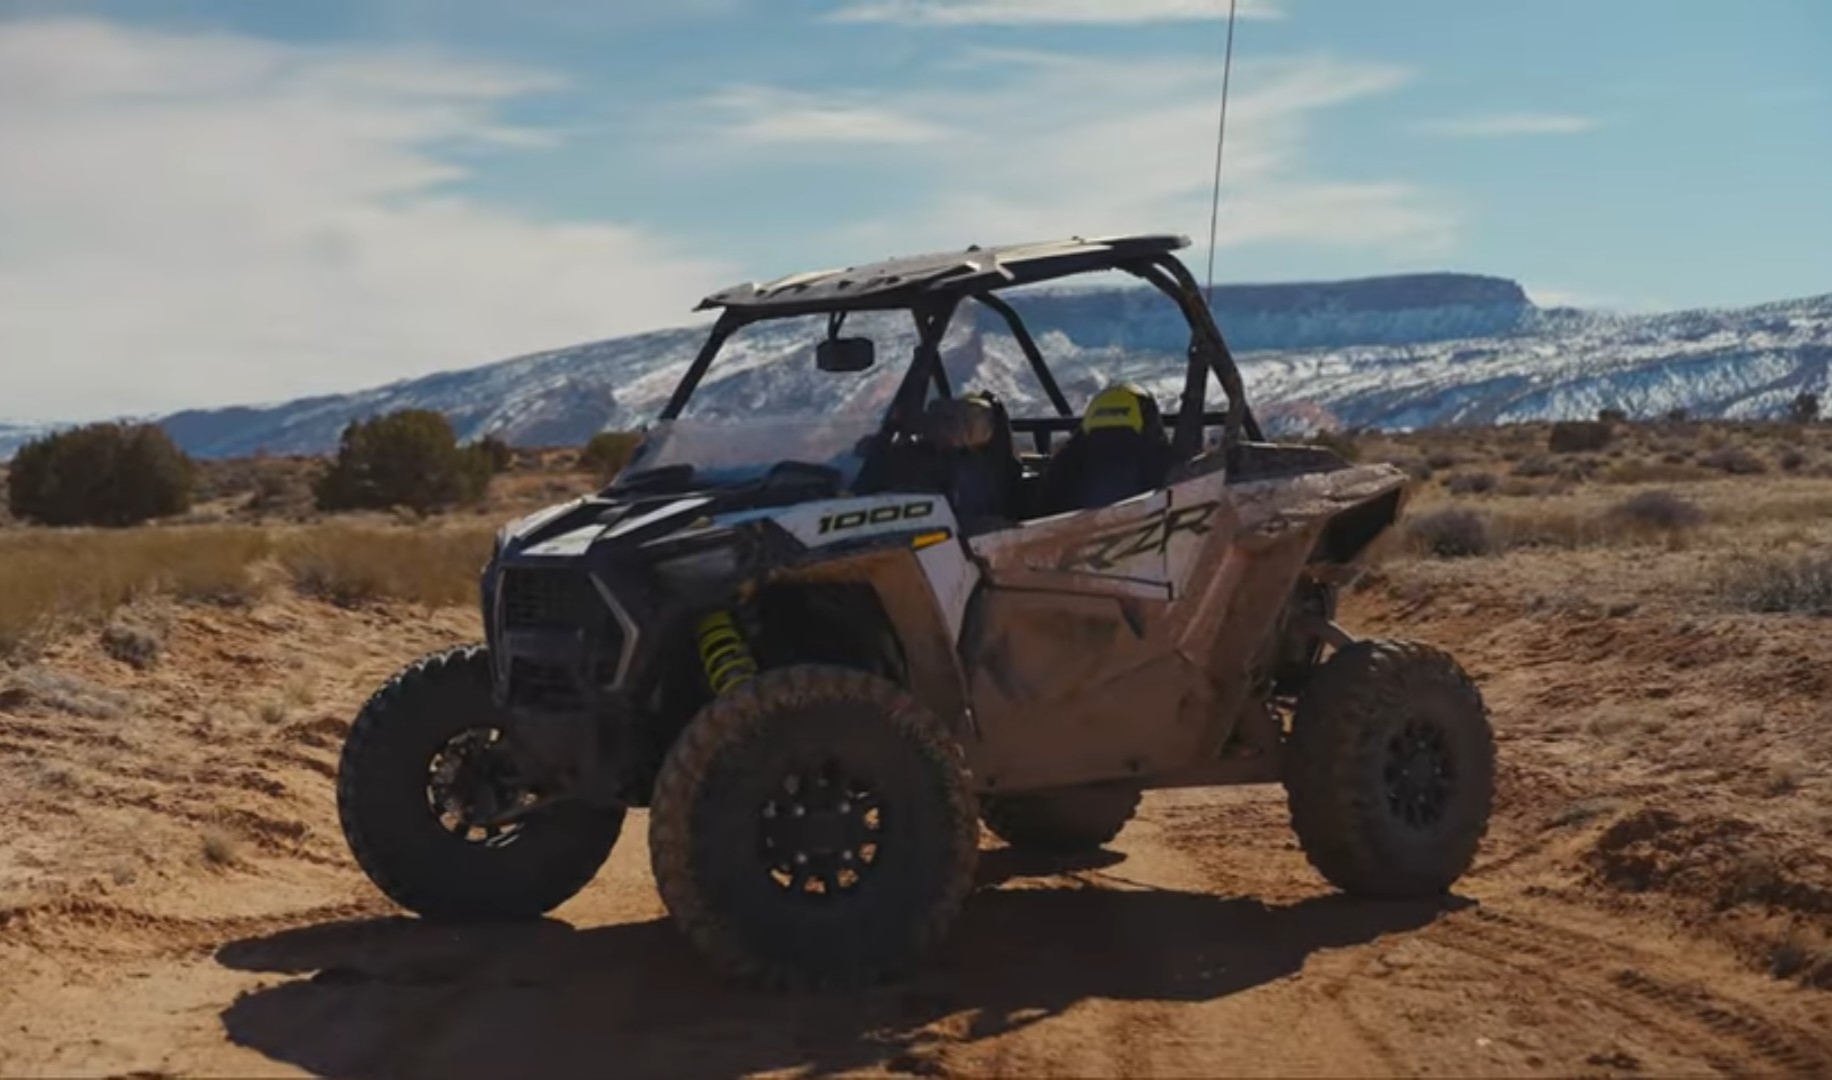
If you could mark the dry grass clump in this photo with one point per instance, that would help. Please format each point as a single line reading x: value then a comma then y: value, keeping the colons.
x: 81, y: 575
x: 1780, y: 584
x: 349, y: 564
x: 52, y: 580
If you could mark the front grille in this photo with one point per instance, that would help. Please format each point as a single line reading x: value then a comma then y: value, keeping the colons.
x: 559, y: 641
x: 546, y: 598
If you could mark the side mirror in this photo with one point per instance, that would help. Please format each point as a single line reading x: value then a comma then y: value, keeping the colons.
x: 845, y: 354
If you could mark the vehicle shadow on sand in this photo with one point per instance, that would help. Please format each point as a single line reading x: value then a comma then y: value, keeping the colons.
x: 401, y: 996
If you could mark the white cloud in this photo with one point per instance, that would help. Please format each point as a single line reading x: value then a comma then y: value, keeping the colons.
x: 1502, y: 125
x: 1022, y: 12
x: 765, y: 115
x: 1064, y: 144
x: 202, y: 218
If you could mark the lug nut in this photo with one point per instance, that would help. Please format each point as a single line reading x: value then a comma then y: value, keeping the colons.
x: 846, y: 856
x: 798, y: 810
x: 844, y: 807
x: 801, y: 858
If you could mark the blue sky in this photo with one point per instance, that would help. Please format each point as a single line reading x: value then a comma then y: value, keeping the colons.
x: 216, y: 201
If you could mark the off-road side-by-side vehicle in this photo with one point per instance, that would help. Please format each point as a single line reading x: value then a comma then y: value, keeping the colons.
x: 823, y: 649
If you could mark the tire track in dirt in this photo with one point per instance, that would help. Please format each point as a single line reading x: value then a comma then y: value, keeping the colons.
x: 1600, y: 972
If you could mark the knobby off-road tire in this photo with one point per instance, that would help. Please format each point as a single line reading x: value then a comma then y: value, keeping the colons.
x: 1066, y: 821
x: 1390, y: 771
x: 725, y: 829
x: 396, y: 835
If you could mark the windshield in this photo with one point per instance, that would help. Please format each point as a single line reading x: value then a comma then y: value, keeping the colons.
x: 767, y: 370
x: 726, y: 452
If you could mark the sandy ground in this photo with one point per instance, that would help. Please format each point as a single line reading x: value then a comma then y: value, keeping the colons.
x: 1654, y: 897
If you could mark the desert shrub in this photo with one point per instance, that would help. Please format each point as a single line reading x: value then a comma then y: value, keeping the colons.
x: 1450, y: 532
x: 1778, y: 584
x: 1804, y: 409
x: 1732, y: 458
x: 348, y: 565
x: 1678, y: 416
x: 1637, y: 471
x: 496, y: 453
x: 1479, y: 483
x: 1416, y: 468
x: 408, y: 458
x: 1611, y: 416
x: 1442, y: 459
x: 608, y: 452
x: 1657, y: 510
x: 101, y: 474
x: 133, y: 642
x: 1791, y: 460
x: 1535, y: 465
x: 1577, y: 436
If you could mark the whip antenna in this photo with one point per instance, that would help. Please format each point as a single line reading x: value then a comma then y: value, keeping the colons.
x: 1221, y: 137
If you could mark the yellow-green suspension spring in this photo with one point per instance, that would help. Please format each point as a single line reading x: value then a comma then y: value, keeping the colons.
x: 723, y: 653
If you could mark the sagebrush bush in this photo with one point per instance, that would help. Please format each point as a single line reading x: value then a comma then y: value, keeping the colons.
x: 1577, y: 436
x: 1658, y: 510
x: 1450, y: 532
x: 1535, y: 465
x: 408, y: 458
x: 1791, y: 460
x: 608, y: 452
x: 1479, y: 483
x: 1734, y: 459
x: 101, y: 474
x: 1780, y: 584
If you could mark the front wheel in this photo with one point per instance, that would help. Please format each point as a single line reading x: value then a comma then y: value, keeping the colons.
x: 814, y: 827
x: 1390, y: 770
x: 423, y: 793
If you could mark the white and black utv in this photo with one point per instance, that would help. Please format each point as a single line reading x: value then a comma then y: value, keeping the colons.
x: 828, y: 629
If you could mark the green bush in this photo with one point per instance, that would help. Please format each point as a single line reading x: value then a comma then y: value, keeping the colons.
x: 101, y: 474
x: 608, y: 452
x: 495, y: 452
x: 406, y: 458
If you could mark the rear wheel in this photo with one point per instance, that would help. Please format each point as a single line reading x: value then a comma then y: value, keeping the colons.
x: 422, y: 790
x: 1390, y: 772
x: 814, y: 827
x: 1066, y: 821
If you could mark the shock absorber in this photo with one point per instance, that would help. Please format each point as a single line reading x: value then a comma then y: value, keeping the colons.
x: 724, y: 656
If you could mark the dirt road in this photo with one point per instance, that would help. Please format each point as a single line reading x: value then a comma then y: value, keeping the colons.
x: 1201, y: 944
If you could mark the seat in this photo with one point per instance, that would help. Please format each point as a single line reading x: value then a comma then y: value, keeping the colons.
x: 1120, y: 450
x: 975, y: 458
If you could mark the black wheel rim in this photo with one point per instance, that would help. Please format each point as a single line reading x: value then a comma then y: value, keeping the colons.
x: 1419, y: 774
x: 470, y: 786
x: 821, y: 832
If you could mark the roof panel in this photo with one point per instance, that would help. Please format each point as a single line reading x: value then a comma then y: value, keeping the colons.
x: 972, y: 270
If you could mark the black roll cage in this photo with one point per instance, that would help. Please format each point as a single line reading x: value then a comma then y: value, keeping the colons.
x: 933, y: 310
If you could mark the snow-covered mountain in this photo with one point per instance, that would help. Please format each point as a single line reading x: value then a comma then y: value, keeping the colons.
x: 1394, y: 352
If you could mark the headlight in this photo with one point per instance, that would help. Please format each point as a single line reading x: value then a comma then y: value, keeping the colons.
x: 702, y: 567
